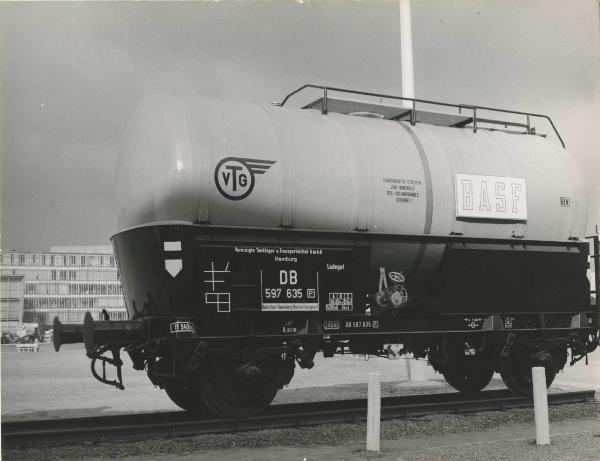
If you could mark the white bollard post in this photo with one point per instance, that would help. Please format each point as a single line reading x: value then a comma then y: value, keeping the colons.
x: 540, y: 406
x: 373, y: 412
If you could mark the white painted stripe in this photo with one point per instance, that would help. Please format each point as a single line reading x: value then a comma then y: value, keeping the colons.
x: 172, y: 246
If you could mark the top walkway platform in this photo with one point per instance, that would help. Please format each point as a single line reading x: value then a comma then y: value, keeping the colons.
x: 350, y: 107
x: 468, y: 116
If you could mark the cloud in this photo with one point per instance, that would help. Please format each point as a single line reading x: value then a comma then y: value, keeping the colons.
x: 72, y: 73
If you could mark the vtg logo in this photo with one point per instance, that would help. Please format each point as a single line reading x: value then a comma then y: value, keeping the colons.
x: 234, y: 176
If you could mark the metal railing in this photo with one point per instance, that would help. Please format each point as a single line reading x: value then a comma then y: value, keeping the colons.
x: 413, y: 110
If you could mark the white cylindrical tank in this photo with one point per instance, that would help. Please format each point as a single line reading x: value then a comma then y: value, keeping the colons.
x: 333, y: 172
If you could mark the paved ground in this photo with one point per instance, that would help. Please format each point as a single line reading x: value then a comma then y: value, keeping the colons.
x: 581, y: 375
x: 54, y: 385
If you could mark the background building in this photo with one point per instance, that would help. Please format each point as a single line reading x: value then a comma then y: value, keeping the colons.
x: 11, y: 302
x: 65, y: 282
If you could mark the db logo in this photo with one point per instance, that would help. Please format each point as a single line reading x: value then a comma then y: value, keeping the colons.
x: 234, y: 176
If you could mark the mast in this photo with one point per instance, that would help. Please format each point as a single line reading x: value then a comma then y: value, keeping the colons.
x: 406, y: 53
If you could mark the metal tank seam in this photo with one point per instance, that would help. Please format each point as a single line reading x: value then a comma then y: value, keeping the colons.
x: 177, y: 131
x: 448, y: 220
x: 364, y: 209
x: 202, y: 120
x: 194, y: 143
x: 288, y: 173
x: 514, y: 167
x: 455, y: 164
x: 441, y: 141
x: 428, y: 182
x: 428, y: 198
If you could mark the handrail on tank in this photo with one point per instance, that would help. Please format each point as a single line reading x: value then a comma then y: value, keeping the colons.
x: 473, y: 108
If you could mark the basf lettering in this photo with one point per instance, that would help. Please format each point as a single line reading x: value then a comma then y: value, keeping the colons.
x: 490, y: 197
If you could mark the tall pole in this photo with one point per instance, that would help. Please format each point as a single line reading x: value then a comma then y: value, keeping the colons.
x: 406, y: 53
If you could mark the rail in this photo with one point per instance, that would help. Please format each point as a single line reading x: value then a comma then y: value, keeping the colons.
x: 180, y: 424
x: 413, y: 110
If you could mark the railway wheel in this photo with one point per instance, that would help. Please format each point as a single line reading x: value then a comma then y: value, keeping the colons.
x: 239, y: 391
x: 469, y: 376
x: 187, y: 398
x: 516, y: 371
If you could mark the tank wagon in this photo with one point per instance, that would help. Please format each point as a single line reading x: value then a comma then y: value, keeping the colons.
x: 254, y: 236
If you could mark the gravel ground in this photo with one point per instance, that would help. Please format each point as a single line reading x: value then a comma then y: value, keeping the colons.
x: 564, y: 447
x: 504, y: 435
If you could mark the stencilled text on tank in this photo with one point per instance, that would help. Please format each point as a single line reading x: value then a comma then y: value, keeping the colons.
x: 402, y: 190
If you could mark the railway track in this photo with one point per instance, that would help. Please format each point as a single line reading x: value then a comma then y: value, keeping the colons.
x: 178, y: 424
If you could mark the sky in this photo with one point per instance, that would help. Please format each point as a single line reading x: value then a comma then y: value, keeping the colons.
x: 71, y: 75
